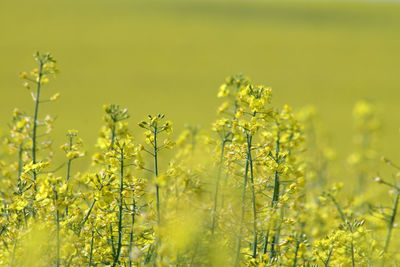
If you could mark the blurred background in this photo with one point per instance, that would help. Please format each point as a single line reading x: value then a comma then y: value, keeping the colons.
x: 171, y: 56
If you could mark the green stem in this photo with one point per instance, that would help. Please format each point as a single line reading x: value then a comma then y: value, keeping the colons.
x: 343, y: 218
x: 35, y: 122
x: 70, y: 160
x: 353, y: 262
x: 214, y: 210
x: 112, y: 241
x: 113, y: 134
x: 91, y: 250
x: 265, y: 247
x: 87, y: 214
x: 295, y: 253
x: 253, y: 195
x: 20, y: 169
x: 326, y: 263
x: 68, y: 170
x: 245, y: 178
x: 121, y: 201
x: 133, y: 210
x: 57, y: 228
x: 275, y: 197
x: 5, y: 212
x: 156, y: 173
x: 391, y: 221
x: 277, y: 236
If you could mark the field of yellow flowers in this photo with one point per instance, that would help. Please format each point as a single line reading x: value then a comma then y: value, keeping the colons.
x: 253, y: 190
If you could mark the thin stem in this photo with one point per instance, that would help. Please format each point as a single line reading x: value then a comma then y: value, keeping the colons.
x: 275, y: 240
x: 70, y: 160
x: 214, y: 210
x: 5, y: 212
x: 245, y: 178
x: 326, y: 263
x: 343, y: 218
x: 266, y: 242
x: 155, y: 153
x: 20, y: 169
x: 295, y: 253
x: 353, y: 262
x: 113, y: 135
x: 57, y: 227
x: 391, y: 221
x: 19, y: 179
x: 121, y: 199
x: 87, y: 214
x: 91, y: 250
x: 68, y: 170
x: 112, y: 241
x: 35, y: 122
x: 156, y: 174
x: 275, y: 197
x: 133, y: 210
x: 253, y: 196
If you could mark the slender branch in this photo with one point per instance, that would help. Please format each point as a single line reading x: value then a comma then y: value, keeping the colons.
x: 391, y: 221
x: 239, y: 243
x: 68, y: 169
x: 326, y: 263
x: 87, y: 215
x: 253, y: 196
x: 214, y: 210
x: 295, y: 253
x: 57, y: 227
x: 133, y: 210
x: 35, y: 118
x: 276, y: 193
x: 91, y: 250
x: 156, y: 174
x: 120, y: 206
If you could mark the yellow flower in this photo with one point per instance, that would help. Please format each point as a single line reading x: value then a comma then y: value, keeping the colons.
x: 23, y: 75
x: 21, y: 204
x: 55, y: 97
x: 223, y: 91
